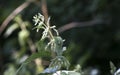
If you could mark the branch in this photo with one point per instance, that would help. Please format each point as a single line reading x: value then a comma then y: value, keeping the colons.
x: 44, y: 9
x: 80, y: 24
x: 13, y: 14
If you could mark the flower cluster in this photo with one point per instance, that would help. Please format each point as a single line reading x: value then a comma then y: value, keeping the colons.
x: 55, y: 42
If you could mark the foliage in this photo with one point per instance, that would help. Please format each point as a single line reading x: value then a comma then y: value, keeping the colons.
x: 90, y: 46
x: 113, y: 68
x: 55, y: 43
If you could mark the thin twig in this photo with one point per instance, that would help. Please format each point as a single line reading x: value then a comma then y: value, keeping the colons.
x: 44, y: 9
x: 13, y: 14
x: 45, y: 14
x: 80, y: 24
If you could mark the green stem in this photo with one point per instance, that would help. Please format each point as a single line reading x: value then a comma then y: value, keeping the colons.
x: 49, y: 30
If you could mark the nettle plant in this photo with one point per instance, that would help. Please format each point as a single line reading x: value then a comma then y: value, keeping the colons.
x: 54, y: 44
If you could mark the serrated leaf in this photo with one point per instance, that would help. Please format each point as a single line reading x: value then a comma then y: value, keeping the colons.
x: 37, y: 55
x: 40, y: 45
x: 32, y: 57
x: 28, y: 60
x: 113, y: 68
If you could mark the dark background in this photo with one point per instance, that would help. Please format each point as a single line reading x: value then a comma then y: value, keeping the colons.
x: 91, y: 44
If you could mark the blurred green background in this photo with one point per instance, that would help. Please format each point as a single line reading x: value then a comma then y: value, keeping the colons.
x: 93, y: 42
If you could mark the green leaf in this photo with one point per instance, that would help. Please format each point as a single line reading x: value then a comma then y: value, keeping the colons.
x: 32, y: 57
x: 41, y: 45
x: 74, y: 73
x: 36, y: 55
x: 28, y: 60
x: 60, y: 61
x: 113, y: 68
x: 63, y: 73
